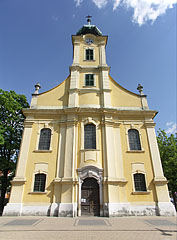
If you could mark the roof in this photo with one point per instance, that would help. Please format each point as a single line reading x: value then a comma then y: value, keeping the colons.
x: 92, y: 29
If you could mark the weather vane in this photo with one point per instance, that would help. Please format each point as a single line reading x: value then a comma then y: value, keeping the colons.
x: 88, y: 19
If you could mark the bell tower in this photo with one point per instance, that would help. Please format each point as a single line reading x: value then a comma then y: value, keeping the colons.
x: 89, y: 70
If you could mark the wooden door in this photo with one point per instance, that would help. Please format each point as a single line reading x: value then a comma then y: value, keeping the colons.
x: 90, y: 204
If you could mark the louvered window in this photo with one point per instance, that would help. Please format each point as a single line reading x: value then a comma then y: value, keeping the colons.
x: 139, y: 181
x: 89, y: 79
x: 39, y: 183
x: 90, y: 136
x: 89, y: 54
x: 134, y: 139
x: 45, y: 138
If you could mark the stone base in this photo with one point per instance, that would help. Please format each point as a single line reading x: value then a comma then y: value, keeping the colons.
x: 166, y: 209
x: 18, y: 209
x: 127, y: 209
x: 109, y: 209
x: 67, y: 210
x: 12, y: 209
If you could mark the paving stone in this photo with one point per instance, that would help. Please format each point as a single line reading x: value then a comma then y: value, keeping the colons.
x: 20, y: 222
x: 160, y: 222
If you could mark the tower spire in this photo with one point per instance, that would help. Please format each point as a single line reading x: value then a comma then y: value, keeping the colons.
x: 89, y: 19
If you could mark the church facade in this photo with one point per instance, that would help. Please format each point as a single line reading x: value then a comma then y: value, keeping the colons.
x: 89, y: 145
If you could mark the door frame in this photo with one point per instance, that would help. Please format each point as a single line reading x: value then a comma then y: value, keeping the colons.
x: 90, y: 172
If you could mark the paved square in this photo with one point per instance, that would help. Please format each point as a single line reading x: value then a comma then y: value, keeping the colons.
x: 88, y: 222
x: 21, y: 222
x: 160, y: 222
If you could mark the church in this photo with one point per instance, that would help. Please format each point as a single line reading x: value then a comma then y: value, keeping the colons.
x: 89, y: 145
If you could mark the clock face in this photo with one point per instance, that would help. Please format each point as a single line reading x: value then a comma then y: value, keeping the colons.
x: 89, y: 41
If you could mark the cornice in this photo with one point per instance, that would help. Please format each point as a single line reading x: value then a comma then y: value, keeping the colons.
x: 149, y: 114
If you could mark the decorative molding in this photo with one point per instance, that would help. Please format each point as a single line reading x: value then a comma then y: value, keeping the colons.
x: 141, y: 193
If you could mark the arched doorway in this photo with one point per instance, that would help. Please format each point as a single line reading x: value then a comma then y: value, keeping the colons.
x: 90, y: 202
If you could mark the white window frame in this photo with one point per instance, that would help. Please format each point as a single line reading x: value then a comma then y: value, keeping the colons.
x: 89, y: 120
x: 41, y: 126
x: 137, y: 170
x: 94, y: 85
x: 37, y: 171
x: 140, y: 137
x: 91, y: 48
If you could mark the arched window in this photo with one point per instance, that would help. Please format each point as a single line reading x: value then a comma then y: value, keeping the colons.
x: 45, y: 138
x: 139, y: 181
x: 134, y: 139
x: 39, y: 182
x: 90, y: 136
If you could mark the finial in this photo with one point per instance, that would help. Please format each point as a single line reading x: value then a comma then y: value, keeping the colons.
x: 37, y: 87
x: 140, y: 89
x: 88, y: 19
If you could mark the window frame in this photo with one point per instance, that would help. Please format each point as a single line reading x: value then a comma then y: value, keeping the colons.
x: 140, y: 138
x: 85, y: 54
x: 134, y: 140
x: 93, y: 144
x: 85, y: 80
x: 39, y: 173
x: 145, y: 184
x: 40, y: 127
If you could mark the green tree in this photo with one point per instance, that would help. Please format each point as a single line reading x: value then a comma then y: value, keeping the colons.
x: 168, y: 154
x: 11, y: 128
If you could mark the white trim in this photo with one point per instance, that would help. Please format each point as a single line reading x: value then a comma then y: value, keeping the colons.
x: 84, y: 122
x: 91, y: 48
x: 42, y: 125
x: 138, y: 128
x: 37, y: 172
x: 84, y: 82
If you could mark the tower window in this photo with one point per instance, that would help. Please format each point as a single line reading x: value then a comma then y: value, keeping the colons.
x: 89, y: 79
x: 89, y: 54
x: 134, y: 139
x: 139, y: 181
x: 90, y: 136
x: 39, y: 182
x: 45, y: 138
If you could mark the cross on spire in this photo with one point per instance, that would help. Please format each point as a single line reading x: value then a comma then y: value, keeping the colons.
x: 89, y: 19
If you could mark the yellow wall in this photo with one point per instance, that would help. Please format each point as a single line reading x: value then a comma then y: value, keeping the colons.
x: 89, y: 99
x: 140, y: 157
x: 41, y: 157
x: 121, y: 97
x: 57, y: 96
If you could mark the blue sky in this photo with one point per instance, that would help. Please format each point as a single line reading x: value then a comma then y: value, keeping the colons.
x: 35, y: 46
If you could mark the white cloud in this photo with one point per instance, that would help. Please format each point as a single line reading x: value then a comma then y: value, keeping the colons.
x: 116, y: 4
x: 143, y: 10
x: 100, y: 3
x: 172, y: 129
x: 169, y: 123
x: 78, y: 2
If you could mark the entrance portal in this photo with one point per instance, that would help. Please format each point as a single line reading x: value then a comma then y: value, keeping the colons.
x: 90, y: 203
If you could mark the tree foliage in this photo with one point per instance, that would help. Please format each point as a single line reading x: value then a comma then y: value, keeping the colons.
x: 168, y: 153
x: 11, y: 128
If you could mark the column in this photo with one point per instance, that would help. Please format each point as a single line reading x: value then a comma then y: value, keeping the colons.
x: 102, y: 54
x: 76, y: 53
x: 164, y: 207
x: 14, y: 207
x: 79, y: 197
x: 101, y: 196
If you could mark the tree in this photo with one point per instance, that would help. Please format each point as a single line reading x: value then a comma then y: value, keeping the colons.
x: 11, y: 128
x: 168, y: 154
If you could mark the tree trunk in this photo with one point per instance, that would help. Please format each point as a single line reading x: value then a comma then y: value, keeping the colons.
x: 174, y: 199
x: 3, y: 189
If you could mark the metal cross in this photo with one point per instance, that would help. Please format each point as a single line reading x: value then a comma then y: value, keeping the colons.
x: 88, y: 19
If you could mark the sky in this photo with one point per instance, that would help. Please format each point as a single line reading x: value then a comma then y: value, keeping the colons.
x: 35, y: 46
